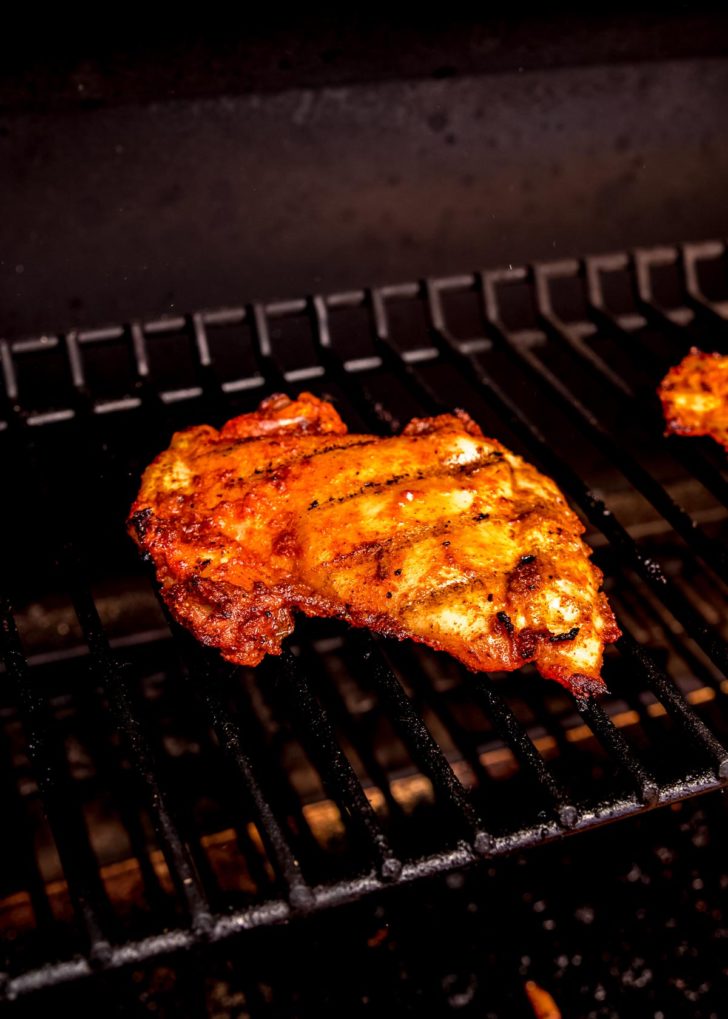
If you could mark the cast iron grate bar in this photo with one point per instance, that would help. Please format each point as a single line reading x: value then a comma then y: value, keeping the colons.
x: 697, y: 666
x: 22, y: 846
x: 122, y: 784
x: 708, y: 312
x: 420, y: 743
x: 353, y: 728
x: 618, y: 749
x: 530, y: 760
x: 425, y: 691
x: 669, y: 695
x: 78, y: 860
x: 115, y: 681
x: 337, y: 775
x: 206, y: 670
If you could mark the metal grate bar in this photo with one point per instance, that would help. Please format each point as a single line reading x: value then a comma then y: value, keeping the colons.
x: 22, y: 846
x: 698, y: 667
x: 85, y: 887
x: 115, y: 679
x: 713, y: 313
x: 207, y: 688
x: 660, y: 318
x: 462, y: 739
x: 338, y: 776
x: 122, y: 786
x: 515, y: 736
x: 425, y: 752
x: 618, y: 749
x: 354, y: 730
x: 666, y: 691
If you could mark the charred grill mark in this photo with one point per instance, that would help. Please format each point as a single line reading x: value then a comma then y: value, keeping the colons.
x: 448, y: 471
x: 505, y: 621
x: 438, y: 595
x: 373, y: 548
x: 408, y: 540
x: 381, y: 569
x: 294, y: 461
x: 561, y: 638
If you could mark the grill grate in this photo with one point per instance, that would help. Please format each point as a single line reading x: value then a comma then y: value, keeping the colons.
x: 74, y: 466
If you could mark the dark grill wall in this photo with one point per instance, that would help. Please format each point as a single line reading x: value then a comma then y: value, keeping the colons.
x: 194, y: 171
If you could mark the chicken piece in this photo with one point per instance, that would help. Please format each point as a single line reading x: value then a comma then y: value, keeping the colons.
x: 438, y: 534
x: 694, y: 396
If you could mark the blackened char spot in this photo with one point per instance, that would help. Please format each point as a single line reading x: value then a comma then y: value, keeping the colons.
x: 560, y: 638
x: 140, y: 522
x: 505, y: 620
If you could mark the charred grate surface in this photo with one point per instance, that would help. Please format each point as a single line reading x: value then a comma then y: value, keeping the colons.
x: 162, y: 801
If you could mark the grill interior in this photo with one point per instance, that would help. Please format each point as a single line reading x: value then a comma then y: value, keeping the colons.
x: 161, y: 800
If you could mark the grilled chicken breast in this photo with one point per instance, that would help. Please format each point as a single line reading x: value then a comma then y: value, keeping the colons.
x: 694, y: 396
x: 438, y: 534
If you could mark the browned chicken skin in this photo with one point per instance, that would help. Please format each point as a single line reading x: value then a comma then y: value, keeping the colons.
x: 694, y: 396
x: 438, y: 534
